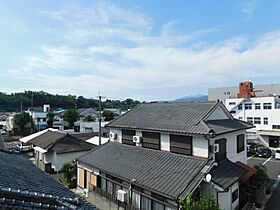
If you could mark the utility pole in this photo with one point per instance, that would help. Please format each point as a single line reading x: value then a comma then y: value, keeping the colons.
x: 31, y: 119
x: 99, y: 97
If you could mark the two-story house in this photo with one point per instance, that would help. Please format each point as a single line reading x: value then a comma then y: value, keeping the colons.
x: 160, y: 153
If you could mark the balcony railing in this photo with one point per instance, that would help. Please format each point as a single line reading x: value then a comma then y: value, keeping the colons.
x: 112, y: 198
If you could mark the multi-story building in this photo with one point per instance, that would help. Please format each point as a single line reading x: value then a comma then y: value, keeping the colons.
x: 263, y: 112
x: 160, y: 153
x: 223, y: 93
x: 39, y: 116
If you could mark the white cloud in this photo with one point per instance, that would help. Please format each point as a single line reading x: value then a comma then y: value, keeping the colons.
x: 113, y: 50
x: 249, y: 8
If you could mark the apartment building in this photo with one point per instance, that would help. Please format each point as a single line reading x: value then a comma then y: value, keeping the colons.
x: 263, y: 112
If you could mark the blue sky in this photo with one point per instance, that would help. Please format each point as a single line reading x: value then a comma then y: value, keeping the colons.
x: 146, y: 50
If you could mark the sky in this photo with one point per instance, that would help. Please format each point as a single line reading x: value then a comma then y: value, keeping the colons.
x: 140, y: 49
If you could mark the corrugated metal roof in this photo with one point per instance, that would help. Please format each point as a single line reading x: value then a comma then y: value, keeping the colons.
x: 159, y: 171
x: 226, y: 173
x: 182, y: 117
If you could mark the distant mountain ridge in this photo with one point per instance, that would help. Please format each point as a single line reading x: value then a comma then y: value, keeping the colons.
x: 194, y: 98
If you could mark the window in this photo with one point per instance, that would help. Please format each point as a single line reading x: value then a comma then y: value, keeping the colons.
x: 234, y: 196
x: 250, y: 120
x: 240, y: 118
x: 277, y: 105
x: 257, y: 106
x: 240, y: 106
x: 248, y: 106
x: 277, y: 127
x: 266, y: 105
x: 151, y: 140
x: 233, y: 112
x: 127, y: 137
x: 136, y: 199
x: 181, y: 144
x: 146, y: 203
x: 265, y: 121
x: 257, y: 120
x: 103, y: 184
x: 240, y: 143
x: 231, y: 103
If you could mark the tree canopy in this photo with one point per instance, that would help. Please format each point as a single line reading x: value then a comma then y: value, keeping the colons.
x: 108, y: 115
x: 71, y: 116
x: 21, y: 120
x: 13, y: 102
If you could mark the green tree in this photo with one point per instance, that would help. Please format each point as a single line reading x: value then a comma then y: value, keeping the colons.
x: 207, y: 202
x: 50, y: 119
x: 71, y: 116
x: 260, y: 177
x: 108, y: 115
x: 69, y: 171
x: 21, y: 120
x: 90, y: 118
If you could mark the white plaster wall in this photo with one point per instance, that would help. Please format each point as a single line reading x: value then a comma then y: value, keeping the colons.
x: 200, y: 147
x: 231, y: 146
x: 165, y: 142
x: 119, y: 135
x: 224, y: 200
x: 232, y: 189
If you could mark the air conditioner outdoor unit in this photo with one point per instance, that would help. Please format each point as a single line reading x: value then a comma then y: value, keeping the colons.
x: 216, y: 148
x: 137, y: 139
x: 113, y: 136
x: 121, y: 195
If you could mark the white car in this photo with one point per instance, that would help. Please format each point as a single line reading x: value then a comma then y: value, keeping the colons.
x: 24, y: 148
x: 277, y: 153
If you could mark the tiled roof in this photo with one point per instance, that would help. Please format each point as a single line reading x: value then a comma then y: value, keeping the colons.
x: 2, y: 145
x: 182, y: 117
x: 24, y: 186
x: 161, y: 172
x: 226, y: 173
x: 60, y: 142
x: 85, y: 136
x: 227, y: 125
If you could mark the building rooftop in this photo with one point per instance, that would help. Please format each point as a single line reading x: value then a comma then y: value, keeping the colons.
x: 182, y: 118
x: 60, y: 142
x: 161, y: 172
x: 227, y: 173
x: 24, y: 186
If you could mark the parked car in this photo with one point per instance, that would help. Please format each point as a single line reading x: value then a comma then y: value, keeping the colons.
x: 23, y: 148
x: 262, y: 151
x: 251, y: 148
x: 277, y: 153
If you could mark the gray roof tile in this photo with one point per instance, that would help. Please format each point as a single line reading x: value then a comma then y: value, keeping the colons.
x: 170, y: 117
x: 226, y: 173
x: 60, y: 142
x: 161, y: 172
x: 21, y: 175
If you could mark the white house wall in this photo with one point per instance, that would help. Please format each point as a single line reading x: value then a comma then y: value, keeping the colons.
x: 66, y: 157
x: 200, y: 145
x: 119, y: 134
x: 231, y: 146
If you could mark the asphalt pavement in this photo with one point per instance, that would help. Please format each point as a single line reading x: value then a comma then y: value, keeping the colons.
x: 273, y: 171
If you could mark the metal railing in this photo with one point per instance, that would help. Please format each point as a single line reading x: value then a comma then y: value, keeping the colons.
x: 111, y: 197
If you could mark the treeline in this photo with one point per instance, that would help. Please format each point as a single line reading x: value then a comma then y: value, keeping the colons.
x: 16, y: 101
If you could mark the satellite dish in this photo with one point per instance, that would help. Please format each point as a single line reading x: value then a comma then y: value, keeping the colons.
x: 208, y: 177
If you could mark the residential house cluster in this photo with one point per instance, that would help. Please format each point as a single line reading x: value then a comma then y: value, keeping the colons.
x: 161, y: 153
